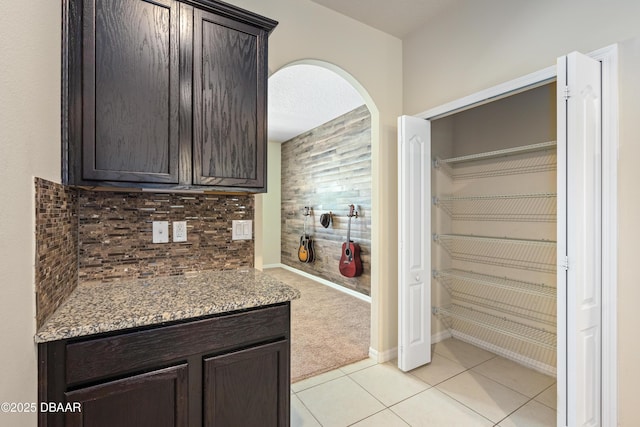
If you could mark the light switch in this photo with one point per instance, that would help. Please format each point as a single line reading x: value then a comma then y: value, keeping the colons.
x: 241, y: 229
x: 160, y: 231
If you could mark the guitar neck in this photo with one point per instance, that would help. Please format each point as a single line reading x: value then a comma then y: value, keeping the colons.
x: 351, y: 208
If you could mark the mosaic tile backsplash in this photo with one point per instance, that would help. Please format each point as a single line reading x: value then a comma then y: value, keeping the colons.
x: 107, y: 236
x: 115, y: 234
x: 56, y: 246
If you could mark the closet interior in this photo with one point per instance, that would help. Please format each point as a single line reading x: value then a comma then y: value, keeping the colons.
x: 494, y: 226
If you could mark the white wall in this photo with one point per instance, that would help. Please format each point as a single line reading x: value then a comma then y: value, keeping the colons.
x: 481, y: 44
x: 268, y: 205
x: 29, y: 146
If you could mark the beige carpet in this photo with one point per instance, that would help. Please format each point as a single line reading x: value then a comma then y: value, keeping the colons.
x: 329, y: 328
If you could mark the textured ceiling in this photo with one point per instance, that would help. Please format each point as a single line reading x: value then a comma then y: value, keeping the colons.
x: 303, y: 97
x: 395, y: 17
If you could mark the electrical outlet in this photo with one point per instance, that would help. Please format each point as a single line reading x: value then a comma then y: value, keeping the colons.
x: 241, y: 229
x: 160, y: 231
x: 179, y: 231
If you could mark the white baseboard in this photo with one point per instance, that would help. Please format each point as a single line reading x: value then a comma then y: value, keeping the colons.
x: 383, y: 356
x: 267, y: 266
x: 387, y: 355
x: 440, y: 336
x: 322, y: 281
x: 526, y: 361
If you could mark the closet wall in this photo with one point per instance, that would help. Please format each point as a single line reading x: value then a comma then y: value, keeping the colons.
x: 494, y: 225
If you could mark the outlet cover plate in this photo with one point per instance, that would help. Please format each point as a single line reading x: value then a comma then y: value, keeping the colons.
x: 242, y: 229
x: 179, y: 231
x: 160, y: 231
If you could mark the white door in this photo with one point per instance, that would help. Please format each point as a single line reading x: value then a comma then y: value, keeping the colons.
x: 579, y: 241
x: 414, y: 228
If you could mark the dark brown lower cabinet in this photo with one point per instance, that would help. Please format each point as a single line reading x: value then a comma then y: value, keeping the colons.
x: 242, y: 388
x: 154, y: 399
x: 229, y: 370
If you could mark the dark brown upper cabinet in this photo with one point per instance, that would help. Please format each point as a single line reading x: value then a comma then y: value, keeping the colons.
x: 225, y: 68
x: 164, y: 94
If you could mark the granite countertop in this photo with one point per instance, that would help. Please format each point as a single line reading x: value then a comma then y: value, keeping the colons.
x: 96, y: 307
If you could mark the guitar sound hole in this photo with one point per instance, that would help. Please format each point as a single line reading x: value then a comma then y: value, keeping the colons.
x: 347, y: 252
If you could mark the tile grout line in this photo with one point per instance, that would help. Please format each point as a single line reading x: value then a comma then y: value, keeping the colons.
x: 504, y: 385
x: 307, y: 408
x: 555, y: 384
x: 382, y: 403
x: 461, y: 403
x: 321, y: 383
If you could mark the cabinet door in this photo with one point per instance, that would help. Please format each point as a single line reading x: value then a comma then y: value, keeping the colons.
x: 130, y: 90
x: 154, y: 399
x: 229, y: 102
x: 248, y: 388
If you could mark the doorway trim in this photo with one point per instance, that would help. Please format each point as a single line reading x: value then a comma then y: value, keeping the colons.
x: 608, y: 58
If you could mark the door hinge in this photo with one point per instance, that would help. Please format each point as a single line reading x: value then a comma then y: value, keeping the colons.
x: 564, y: 263
x: 567, y: 93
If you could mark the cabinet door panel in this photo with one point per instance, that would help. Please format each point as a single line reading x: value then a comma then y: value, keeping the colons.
x: 229, y: 102
x: 248, y: 387
x: 155, y: 399
x: 130, y: 90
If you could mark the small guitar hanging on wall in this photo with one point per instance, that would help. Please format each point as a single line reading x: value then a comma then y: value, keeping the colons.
x: 305, y: 250
x: 350, y: 262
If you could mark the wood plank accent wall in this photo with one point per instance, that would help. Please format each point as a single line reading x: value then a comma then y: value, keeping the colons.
x: 327, y: 169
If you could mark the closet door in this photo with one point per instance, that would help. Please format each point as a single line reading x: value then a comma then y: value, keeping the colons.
x: 579, y: 240
x: 414, y: 230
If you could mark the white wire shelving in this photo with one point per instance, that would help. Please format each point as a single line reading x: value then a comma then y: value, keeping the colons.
x: 509, y: 314
x: 527, y: 300
x: 530, y: 207
x: 538, y: 157
x: 462, y: 318
x: 453, y: 278
x: 527, y: 254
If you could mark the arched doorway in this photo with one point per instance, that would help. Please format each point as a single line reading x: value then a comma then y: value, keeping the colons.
x: 268, y: 206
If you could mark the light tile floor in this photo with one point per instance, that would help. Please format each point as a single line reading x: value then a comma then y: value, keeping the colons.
x: 463, y: 386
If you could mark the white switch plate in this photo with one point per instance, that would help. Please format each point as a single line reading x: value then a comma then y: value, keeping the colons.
x: 179, y: 231
x: 241, y: 229
x: 160, y: 231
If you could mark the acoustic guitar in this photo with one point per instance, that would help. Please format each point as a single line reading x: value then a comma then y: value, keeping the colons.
x: 305, y: 250
x: 350, y: 262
